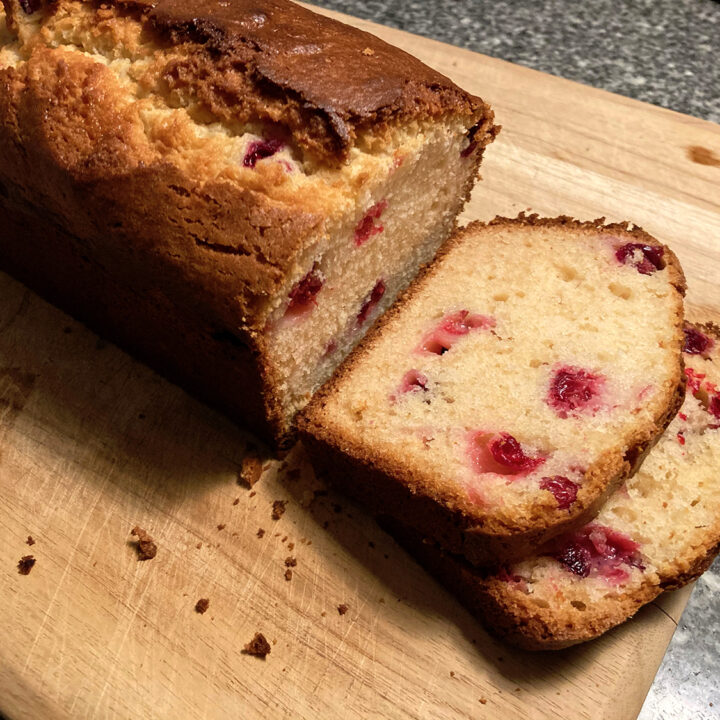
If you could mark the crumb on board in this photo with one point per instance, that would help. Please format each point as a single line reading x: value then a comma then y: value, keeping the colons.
x: 452, y: 673
x: 253, y: 494
x: 221, y: 526
x: 236, y: 501
x: 25, y: 564
x: 30, y: 540
x: 323, y: 614
x: 260, y: 532
x: 199, y: 545
x: 342, y: 608
x: 288, y: 574
x: 146, y: 547
x: 202, y: 605
x: 369, y: 52
x: 291, y: 546
x: 278, y: 509
x: 290, y: 562
x: 483, y: 701
x: 258, y: 646
x: 250, y: 470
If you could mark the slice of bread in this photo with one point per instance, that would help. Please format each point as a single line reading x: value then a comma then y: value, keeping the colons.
x: 659, y: 531
x: 516, y: 384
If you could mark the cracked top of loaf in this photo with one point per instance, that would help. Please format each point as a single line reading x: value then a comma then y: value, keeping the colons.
x: 149, y: 123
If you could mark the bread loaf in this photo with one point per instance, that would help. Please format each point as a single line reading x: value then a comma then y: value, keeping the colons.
x: 232, y: 190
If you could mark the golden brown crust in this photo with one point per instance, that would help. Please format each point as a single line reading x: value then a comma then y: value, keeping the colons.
x: 274, y: 61
x: 411, y: 494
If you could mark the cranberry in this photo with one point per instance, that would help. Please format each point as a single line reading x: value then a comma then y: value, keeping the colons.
x: 564, y: 490
x: 302, y: 296
x: 371, y: 301
x: 501, y: 454
x: 576, y: 558
x: 651, y: 260
x: 366, y: 228
x: 694, y: 379
x: 572, y: 388
x: 696, y: 342
x: 598, y: 550
x: 261, y: 149
x: 714, y: 405
x: 681, y: 438
x: 451, y: 328
x: 413, y: 380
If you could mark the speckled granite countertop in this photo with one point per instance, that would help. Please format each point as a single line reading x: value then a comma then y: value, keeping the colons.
x: 666, y: 52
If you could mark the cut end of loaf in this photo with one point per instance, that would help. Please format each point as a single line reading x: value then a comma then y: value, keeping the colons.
x: 517, y: 381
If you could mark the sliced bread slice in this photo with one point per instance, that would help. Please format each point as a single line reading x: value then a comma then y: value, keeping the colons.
x: 515, y: 385
x: 658, y: 532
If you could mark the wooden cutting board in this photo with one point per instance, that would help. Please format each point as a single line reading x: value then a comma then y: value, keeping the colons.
x: 92, y: 443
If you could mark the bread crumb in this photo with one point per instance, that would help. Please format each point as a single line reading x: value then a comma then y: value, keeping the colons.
x: 30, y: 540
x: 278, y: 509
x: 253, y: 494
x: 483, y: 701
x: 452, y: 673
x: 236, y: 501
x: 342, y: 608
x: 221, y: 526
x: 290, y: 562
x: 291, y: 546
x: 260, y: 532
x: 369, y: 52
x: 258, y: 646
x: 146, y: 547
x: 202, y: 605
x: 323, y: 614
x: 199, y: 545
x: 25, y: 564
x: 250, y: 470
x: 288, y: 574
x: 284, y: 538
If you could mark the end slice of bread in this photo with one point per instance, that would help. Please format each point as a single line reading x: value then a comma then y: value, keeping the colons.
x: 515, y: 385
x: 659, y: 531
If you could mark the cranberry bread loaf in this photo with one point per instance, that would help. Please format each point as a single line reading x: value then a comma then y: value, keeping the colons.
x: 232, y: 190
x: 513, y: 387
x: 659, y: 531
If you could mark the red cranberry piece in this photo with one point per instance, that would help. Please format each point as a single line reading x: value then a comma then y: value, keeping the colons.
x: 370, y: 302
x: 714, y: 406
x: 366, y: 228
x: 572, y: 388
x: 600, y: 550
x: 451, y: 328
x: 302, y: 296
x: 694, y: 379
x: 413, y: 380
x: 261, y: 149
x: 651, y: 260
x: 501, y: 454
x: 696, y: 342
x: 564, y: 490
x: 576, y: 558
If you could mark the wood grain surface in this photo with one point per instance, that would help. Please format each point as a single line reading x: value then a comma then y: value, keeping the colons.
x: 93, y: 443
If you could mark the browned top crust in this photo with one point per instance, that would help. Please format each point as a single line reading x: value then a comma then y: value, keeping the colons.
x: 348, y: 77
x: 275, y: 61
